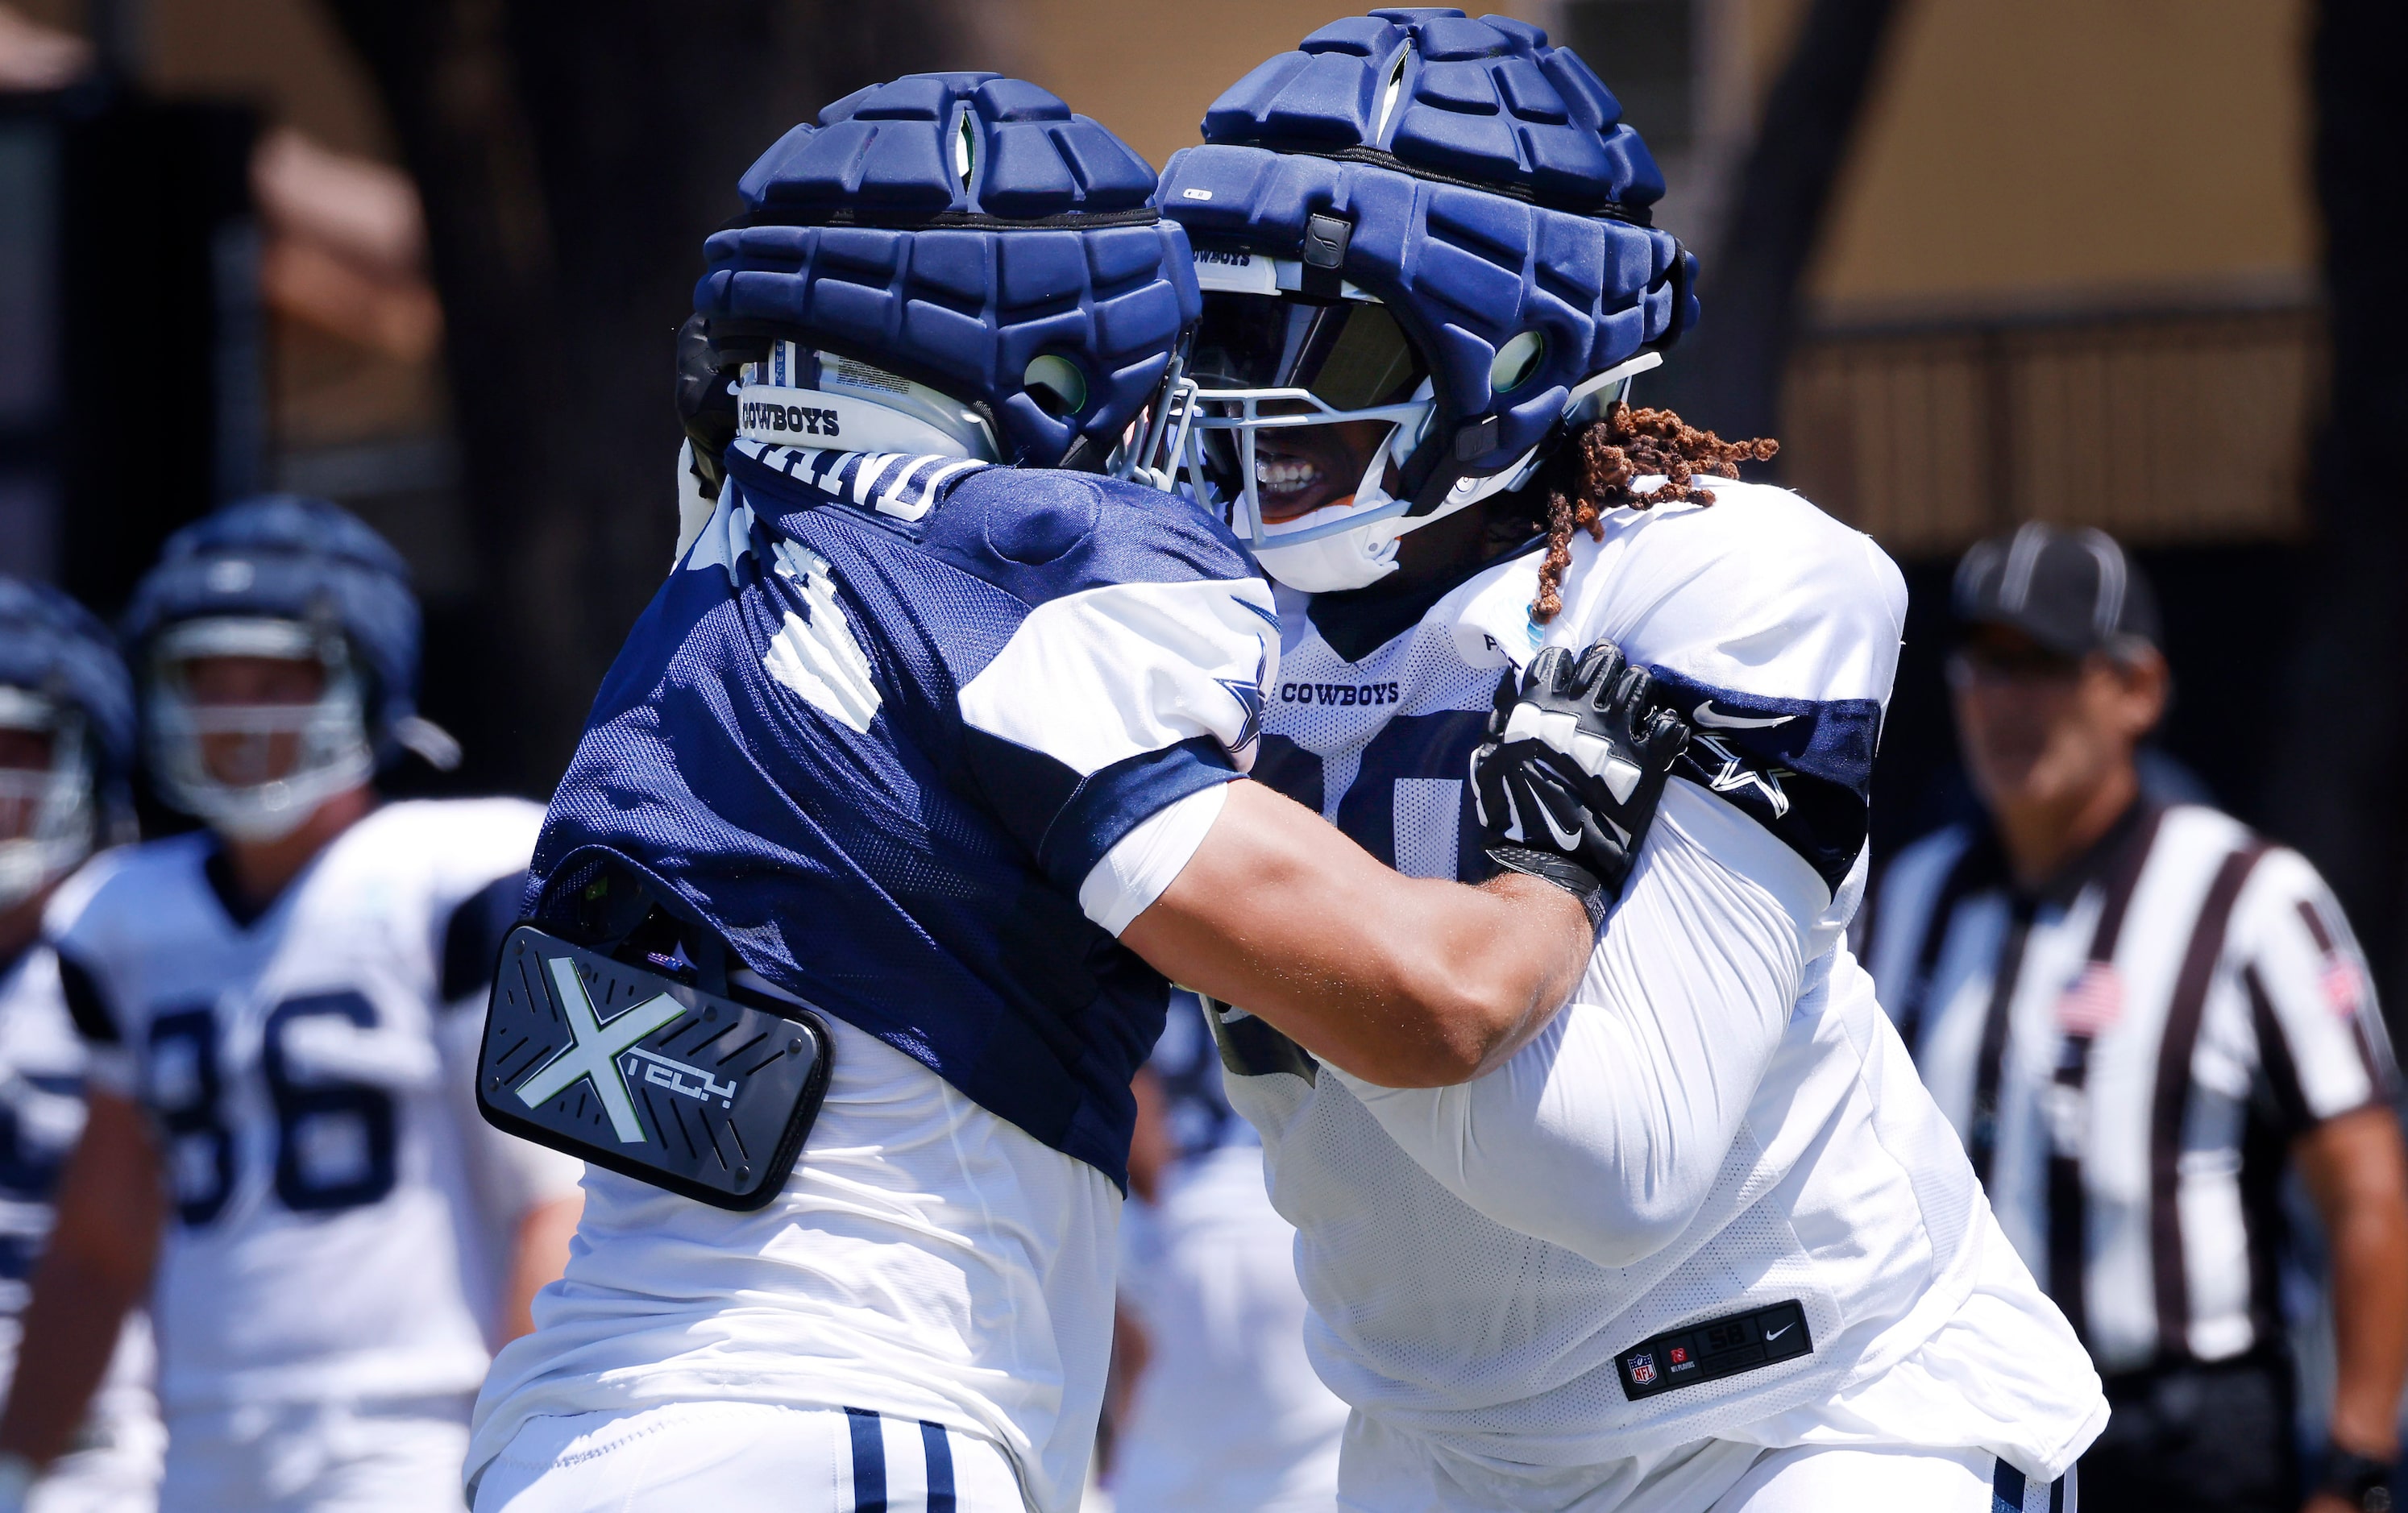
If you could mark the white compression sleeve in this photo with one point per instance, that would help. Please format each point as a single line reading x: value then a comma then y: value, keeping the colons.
x: 1633, y: 1096
x: 1127, y: 881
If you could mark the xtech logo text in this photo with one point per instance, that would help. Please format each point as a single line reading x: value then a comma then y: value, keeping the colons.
x: 760, y: 415
x: 594, y: 1048
x: 1339, y: 695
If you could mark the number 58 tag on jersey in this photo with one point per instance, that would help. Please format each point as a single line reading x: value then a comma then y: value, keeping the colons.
x: 647, y: 1075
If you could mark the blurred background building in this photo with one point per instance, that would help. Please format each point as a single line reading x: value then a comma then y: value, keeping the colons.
x: 1973, y: 263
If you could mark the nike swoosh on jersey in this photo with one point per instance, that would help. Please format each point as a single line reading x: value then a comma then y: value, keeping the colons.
x: 1704, y: 715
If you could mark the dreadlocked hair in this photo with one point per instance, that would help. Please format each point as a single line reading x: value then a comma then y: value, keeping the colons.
x: 1593, y: 474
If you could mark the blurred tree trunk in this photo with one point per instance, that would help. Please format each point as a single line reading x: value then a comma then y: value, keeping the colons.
x: 1727, y: 375
x: 572, y: 157
x: 2344, y: 754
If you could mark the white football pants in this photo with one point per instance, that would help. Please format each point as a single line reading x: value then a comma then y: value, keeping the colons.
x: 737, y: 1457
x: 394, y: 1456
x: 1382, y: 1472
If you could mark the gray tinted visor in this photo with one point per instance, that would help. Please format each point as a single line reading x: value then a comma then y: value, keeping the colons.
x: 1349, y: 354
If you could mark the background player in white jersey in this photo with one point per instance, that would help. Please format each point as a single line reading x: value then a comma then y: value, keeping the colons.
x: 938, y: 765
x: 279, y: 1145
x: 66, y: 741
x: 1705, y: 1242
x: 1224, y: 1410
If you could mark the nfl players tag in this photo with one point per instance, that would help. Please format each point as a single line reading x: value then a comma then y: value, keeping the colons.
x: 647, y: 1075
x: 1715, y: 1348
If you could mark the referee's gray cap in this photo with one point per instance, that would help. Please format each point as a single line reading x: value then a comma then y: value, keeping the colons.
x: 2072, y: 591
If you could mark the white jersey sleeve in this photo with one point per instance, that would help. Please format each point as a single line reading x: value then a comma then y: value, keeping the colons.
x: 109, y: 1056
x: 1107, y: 707
x: 1645, y: 1077
x: 1763, y: 614
x: 1773, y: 628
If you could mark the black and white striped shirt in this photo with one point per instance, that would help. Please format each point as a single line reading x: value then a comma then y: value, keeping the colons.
x: 2126, y: 1055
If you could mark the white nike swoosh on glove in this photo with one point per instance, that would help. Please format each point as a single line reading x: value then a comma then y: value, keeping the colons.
x: 1568, y: 840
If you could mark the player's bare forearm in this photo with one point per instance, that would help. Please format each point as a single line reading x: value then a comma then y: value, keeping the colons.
x: 2355, y: 1170
x: 539, y: 1254
x: 1402, y: 981
x: 97, y: 1264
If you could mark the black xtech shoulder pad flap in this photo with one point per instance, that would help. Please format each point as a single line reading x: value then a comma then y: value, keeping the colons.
x: 647, y: 1075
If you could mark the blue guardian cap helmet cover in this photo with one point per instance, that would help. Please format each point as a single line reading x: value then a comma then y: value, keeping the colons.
x: 946, y: 265
x: 292, y: 579
x: 1420, y: 222
x: 60, y: 679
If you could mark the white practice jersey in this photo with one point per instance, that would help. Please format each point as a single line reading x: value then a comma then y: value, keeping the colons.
x: 335, y: 1201
x: 1712, y: 1200
x: 42, y: 1067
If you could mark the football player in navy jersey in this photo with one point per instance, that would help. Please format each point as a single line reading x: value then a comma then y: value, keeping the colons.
x: 934, y: 739
x: 66, y: 744
x: 280, y: 1148
x: 1704, y: 1241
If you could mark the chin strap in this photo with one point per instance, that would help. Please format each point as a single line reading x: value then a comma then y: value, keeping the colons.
x: 1333, y: 564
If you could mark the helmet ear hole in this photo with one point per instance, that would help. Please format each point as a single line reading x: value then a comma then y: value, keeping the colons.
x: 1057, y: 385
x: 1516, y: 360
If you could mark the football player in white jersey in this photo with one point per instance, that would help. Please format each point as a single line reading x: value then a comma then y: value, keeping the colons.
x: 928, y: 756
x: 1705, y: 1243
x: 280, y: 1146
x: 67, y: 740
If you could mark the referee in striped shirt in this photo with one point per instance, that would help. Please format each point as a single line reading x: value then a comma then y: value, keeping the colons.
x: 2135, y: 1014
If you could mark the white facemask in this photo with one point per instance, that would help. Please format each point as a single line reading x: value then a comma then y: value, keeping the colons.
x: 331, y: 749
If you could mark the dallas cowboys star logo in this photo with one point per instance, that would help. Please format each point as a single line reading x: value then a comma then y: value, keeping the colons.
x: 1736, y: 775
x: 1249, y: 694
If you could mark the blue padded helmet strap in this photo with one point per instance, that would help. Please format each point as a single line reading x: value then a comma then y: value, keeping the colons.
x: 951, y: 228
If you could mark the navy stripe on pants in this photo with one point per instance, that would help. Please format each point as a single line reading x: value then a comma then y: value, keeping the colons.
x: 2010, y: 1493
x: 940, y: 1466
x: 868, y: 1462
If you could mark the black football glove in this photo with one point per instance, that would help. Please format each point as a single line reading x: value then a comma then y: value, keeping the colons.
x: 1567, y: 781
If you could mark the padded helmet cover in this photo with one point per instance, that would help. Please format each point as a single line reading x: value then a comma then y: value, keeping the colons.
x: 287, y: 557
x: 951, y: 227
x: 52, y: 645
x: 1500, y: 191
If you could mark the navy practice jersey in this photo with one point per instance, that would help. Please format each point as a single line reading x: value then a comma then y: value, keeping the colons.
x: 884, y: 720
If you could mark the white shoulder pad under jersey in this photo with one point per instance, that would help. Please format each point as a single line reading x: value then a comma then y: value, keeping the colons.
x: 1771, y: 626
x: 324, y: 1239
